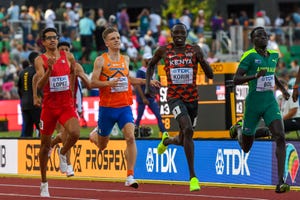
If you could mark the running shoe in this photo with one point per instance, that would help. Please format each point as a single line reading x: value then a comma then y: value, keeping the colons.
x: 131, y: 182
x: 161, y: 148
x: 44, y: 190
x: 281, y: 188
x: 194, y: 184
x: 70, y: 171
x: 62, y: 161
x: 233, y: 129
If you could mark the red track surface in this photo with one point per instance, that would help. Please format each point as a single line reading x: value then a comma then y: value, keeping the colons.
x: 21, y: 188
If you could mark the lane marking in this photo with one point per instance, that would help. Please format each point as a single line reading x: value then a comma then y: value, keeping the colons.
x: 129, y: 191
x: 38, y: 196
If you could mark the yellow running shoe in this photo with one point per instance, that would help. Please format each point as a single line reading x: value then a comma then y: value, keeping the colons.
x: 194, y: 184
x: 161, y: 147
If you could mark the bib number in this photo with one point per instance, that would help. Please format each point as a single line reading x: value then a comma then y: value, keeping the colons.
x: 265, y: 83
x: 182, y: 75
x: 122, y: 85
x: 59, y: 83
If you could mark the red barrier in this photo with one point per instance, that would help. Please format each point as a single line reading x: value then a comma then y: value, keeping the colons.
x: 10, y: 110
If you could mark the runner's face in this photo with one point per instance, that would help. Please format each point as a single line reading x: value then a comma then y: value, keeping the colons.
x: 179, y: 34
x: 64, y: 48
x: 50, y: 40
x: 260, y: 38
x: 113, y: 40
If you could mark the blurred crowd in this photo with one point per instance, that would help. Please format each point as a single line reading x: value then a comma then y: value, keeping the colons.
x: 20, y: 27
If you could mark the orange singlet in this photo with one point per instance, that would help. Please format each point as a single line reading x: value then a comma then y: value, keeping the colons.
x: 120, y: 95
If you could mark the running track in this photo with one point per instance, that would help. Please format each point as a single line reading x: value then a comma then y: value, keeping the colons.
x: 28, y: 188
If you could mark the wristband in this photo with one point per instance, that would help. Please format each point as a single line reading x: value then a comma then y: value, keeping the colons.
x: 295, y: 86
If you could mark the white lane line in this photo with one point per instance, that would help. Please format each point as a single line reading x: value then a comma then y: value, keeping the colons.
x: 38, y: 196
x: 138, y: 192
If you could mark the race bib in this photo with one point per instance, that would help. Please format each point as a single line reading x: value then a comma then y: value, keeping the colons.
x: 265, y: 83
x: 59, y: 83
x: 122, y: 85
x: 182, y: 75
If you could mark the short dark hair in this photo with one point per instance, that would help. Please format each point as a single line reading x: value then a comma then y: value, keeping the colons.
x: 178, y: 24
x: 64, y: 43
x: 255, y: 29
x: 46, y: 30
x: 32, y: 56
x: 25, y: 64
x: 107, y: 31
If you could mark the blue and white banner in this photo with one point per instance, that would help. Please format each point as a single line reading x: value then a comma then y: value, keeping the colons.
x: 215, y: 161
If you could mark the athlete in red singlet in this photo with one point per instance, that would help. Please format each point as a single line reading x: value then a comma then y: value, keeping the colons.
x: 55, y: 76
x: 181, y: 65
x: 61, y: 133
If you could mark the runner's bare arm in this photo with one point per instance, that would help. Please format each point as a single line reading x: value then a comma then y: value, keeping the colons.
x: 204, y: 64
x: 95, y: 82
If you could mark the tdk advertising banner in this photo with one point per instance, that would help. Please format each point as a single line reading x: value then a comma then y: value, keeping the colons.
x: 171, y: 165
x: 215, y: 161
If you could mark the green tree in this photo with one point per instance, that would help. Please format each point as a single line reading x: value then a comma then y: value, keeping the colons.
x: 177, y: 6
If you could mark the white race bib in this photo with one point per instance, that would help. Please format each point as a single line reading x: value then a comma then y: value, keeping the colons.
x: 59, y: 83
x: 182, y: 75
x: 122, y: 85
x: 265, y: 83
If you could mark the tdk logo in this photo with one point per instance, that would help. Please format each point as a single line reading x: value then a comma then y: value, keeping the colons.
x: 161, y: 163
x: 233, y: 161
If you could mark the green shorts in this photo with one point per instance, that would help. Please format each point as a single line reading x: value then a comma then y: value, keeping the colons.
x: 260, y: 105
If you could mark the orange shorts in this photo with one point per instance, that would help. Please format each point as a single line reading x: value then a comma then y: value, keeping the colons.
x: 50, y: 116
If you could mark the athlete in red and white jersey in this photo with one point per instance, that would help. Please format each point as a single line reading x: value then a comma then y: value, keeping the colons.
x: 55, y: 76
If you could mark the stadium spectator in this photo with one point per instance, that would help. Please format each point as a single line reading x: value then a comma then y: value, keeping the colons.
x: 50, y: 16
x: 155, y: 25
x: 13, y: 14
x: 30, y: 113
x: 86, y: 29
x: 144, y: 22
x: 144, y: 101
x: 199, y: 23
x: 217, y: 25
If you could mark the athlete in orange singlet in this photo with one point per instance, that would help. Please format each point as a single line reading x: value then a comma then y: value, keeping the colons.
x: 111, y: 76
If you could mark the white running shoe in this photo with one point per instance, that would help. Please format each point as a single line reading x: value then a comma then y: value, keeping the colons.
x: 70, y: 171
x: 62, y: 161
x: 44, y: 190
x: 131, y: 182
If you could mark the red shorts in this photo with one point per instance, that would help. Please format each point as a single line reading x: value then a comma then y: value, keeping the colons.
x: 50, y: 116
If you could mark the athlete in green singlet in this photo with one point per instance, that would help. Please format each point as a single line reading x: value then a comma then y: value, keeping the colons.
x: 257, y: 67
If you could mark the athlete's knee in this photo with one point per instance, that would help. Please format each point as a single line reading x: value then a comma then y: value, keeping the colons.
x: 44, y: 149
x: 102, y: 146
x: 130, y: 139
x: 278, y: 136
x: 188, y: 131
x: 102, y: 142
x: 74, y: 133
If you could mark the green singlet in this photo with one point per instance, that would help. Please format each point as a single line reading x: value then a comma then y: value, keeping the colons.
x: 260, y: 101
